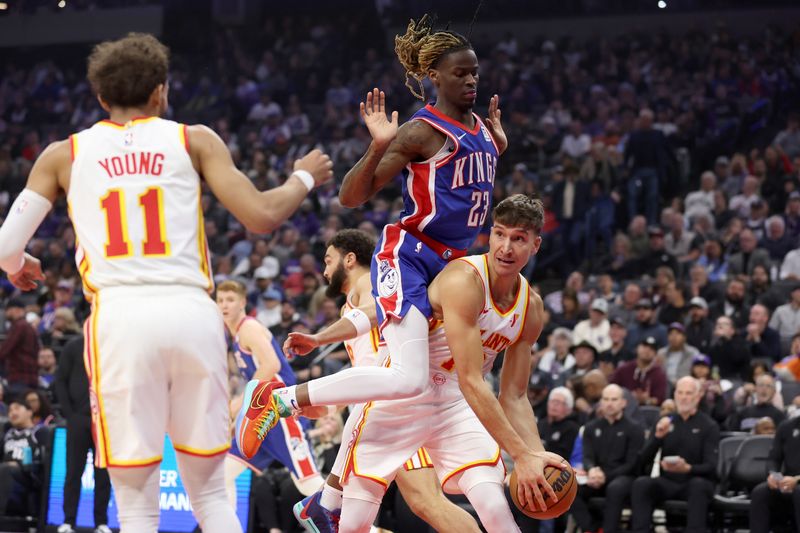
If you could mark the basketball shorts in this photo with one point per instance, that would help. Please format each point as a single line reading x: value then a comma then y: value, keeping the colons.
x: 453, y: 437
x: 286, y: 443
x: 157, y: 363
x: 402, y: 268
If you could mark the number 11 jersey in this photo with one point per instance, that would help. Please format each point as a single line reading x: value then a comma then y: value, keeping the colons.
x: 135, y: 203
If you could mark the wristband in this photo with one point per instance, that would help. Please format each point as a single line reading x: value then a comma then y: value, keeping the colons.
x: 306, y: 177
x: 360, y: 320
x: 26, y: 213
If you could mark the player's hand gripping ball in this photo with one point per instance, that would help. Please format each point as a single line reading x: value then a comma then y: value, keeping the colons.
x: 564, y: 485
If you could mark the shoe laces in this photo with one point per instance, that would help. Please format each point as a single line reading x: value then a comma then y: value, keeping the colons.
x: 265, y: 422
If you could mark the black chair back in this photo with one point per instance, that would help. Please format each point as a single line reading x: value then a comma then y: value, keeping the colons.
x: 749, y: 467
x: 727, y: 452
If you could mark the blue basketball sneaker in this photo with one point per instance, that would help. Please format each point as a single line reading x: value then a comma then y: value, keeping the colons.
x: 314, y: 517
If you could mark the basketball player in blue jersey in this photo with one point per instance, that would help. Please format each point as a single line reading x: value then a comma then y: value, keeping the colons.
x: 259, y: 356
x: 449, y: 159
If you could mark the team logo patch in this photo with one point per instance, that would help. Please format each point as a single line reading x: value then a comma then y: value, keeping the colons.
x: 439, y: 379
x: 299, y: 449
x: 486, y: 134
x: 388, y: 279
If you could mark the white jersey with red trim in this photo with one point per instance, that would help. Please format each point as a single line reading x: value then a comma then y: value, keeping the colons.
x: 134, y: 201
x: 499, y: 329
x: 364, y: 350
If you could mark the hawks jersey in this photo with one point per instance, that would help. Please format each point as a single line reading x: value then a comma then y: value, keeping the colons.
x: 499, y: 329
x: 134, y: 201
x: 248, y: 364
x: 448, y: 196
x: 362, y: 350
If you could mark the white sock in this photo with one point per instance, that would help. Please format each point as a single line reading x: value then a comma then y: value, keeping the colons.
x: 288, y: 396
x: 331, y: 498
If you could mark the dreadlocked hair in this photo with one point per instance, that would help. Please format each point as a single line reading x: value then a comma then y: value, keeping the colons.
x: 421, y: 48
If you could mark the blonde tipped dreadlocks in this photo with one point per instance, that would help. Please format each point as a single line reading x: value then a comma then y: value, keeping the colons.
x: 421, y: 48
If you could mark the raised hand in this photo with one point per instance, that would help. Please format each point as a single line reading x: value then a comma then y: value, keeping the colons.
x: 382, y: 130
x: 494, y: 125
x: 318, y: 164
x: 28, y: 275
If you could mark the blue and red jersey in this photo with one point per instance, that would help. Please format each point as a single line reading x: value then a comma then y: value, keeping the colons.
x: 447, y: 198
x: 247, y: 363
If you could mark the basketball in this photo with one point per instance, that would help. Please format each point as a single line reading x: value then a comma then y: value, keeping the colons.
x: 563, y: 483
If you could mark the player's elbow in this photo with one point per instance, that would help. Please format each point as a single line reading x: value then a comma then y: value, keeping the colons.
x: 262, y: 223
x: 349, y: 200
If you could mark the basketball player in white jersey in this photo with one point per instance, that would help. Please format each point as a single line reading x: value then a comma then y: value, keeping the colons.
x: 486, y: 307
x: 347, y: 262
x: 155, y: 349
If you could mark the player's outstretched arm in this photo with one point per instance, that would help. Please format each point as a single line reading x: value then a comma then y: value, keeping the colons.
x: 515, y: 373
x: 344, y: 329
x: 494, y: 125
x: 391, y: 149
x: 258, y: 340
x: 48, y: 176
x: 259, y: 211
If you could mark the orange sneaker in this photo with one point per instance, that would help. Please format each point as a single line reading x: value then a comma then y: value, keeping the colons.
x: 259, y: 414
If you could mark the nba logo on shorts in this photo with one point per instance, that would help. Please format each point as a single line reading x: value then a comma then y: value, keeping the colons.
x: 388, y: 279
x: 447, y: 254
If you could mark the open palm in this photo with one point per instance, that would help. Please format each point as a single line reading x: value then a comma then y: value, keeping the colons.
x: 382, y: 130
x: 495, y: 126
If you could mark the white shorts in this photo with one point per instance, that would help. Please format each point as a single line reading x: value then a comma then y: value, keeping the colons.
x: 453, y: 437
x: 157, y: 363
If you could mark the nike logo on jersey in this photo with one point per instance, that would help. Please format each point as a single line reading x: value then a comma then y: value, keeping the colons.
x: 459, y: 137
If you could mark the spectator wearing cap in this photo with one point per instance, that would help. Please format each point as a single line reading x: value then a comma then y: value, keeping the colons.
x: 729, y: 351
x: 560, y: 427
x: 618, y: 353
x: 688, y: 441
x: 19, y: 351
x: 713, y: 400
x: 647, y: 155
x: 764, y: 342
x: 595, y: 329
x: 733, y: 305
x: 677, y: 355
x: 698, y: 327
x: 645, y: 326
x: 777, y: 500
x: 271, y: 314
x: 748, y: 256
x: 656, y: 256
x: 675, y: 306
x: 701, y: 201
x: 556, y: 358
x: 585, y: 355
x: 745, y: 418
x: 643, y: 376
x: 539, y: 387
x: 786, y: 319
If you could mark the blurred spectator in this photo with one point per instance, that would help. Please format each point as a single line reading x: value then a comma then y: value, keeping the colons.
x: 741, y: 203
x: 46, y: 361
x: 779, y: 496
x: 571, y: 197
x: 657, y: 255
x: 646, y: 155
x: 611, y: 444
x: 643, y: 376
x: 595, y: 330
x: 761, y: 290
x: 701, y: 201
x: 575, y: 282
x: 40, y: 407
x: 677, y: 356
x: 617, y: 353
x: 556, y: 357
x: 688, y: 443
x: 698, y: 325
x: 749, y: 255
x: 675, y: 307
x: 559, y: 428
x: 764, y: 342
x: 625, y: 308
x: 745, y: 418
x: 585, y: 355
x: 733, y: 305
x: 62, y: 297
x: 19, y: 350
x: 21, y: 472
x: 576, y: 144
x: 789, y: 139
x: 786, y: 319
x: 713, y: 261
x: 271, y: 314
x: 776, y: 241
x: 645, y: 326
x: 729, y: 351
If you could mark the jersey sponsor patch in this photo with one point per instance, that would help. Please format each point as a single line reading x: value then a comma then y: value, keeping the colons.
x: 388, y: 280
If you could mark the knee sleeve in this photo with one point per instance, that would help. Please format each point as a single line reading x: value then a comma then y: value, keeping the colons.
x: 490, y: 503
x: 360, y: 505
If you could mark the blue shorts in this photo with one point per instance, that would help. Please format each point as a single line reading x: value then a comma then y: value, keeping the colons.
x: 402, y: 268
x: 287, y: 444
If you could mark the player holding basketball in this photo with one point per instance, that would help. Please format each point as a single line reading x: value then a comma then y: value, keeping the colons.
x: 259, y: 356
x: 486, y: 307
x: 347, y: 262
x: 155, y: 349
x: 450, y: 157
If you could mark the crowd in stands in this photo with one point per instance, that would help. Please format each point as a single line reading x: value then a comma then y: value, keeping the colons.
x: 669, y: 166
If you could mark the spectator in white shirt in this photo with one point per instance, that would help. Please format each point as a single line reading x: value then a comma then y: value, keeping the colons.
x: 786, y: 320
x: 790, y: 268
x: 595, y: 329
x: 740, y: 204
x: 701, y: 202
x: 556, y: 358
x: 576, y: 144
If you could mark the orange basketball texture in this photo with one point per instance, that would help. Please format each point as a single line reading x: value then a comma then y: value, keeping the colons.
x: 564, y: 484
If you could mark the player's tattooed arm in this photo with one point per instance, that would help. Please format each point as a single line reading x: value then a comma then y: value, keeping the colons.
x: 382, y: 163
